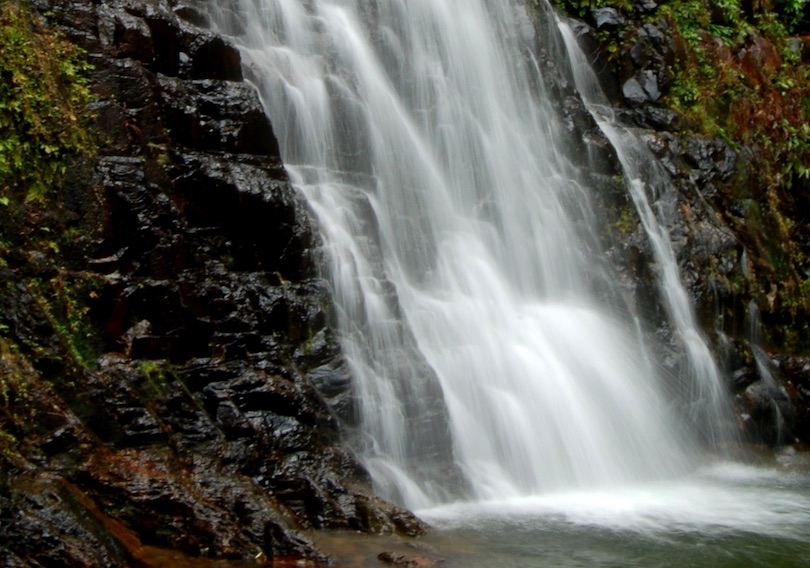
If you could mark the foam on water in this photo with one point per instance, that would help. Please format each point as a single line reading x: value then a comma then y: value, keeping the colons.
x: 726, y: 498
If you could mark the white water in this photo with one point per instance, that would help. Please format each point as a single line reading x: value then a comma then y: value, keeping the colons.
x: 708, y: 400
x: 715, y: 500
x: 722, y: 515
x: 491, y: 355
x: 772, y: 390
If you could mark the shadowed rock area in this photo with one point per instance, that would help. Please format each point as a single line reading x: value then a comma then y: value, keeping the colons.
x: 182, y: 422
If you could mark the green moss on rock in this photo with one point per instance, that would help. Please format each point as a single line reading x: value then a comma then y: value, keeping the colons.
x: 43, y: 105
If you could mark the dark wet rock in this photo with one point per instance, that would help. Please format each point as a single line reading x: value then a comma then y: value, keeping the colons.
x: 645, y: 63
x: 633, y: 92
x: 205, y: 423
x: 408, y: 559
x: 214, y: 115
x: 211, y: 57
x: 712, y: 158
x: 767, y: 414
x: 50, y: 511
x: 653, y: 118
x: 607, y: 19
x: 645, y: 6
x: 588, y: 143
x: 720, y: 247
x: 192, y: 15
x: 334, y: 383
x: 125, y: 35
x: 650, y: 84
x: 715, y: 265
x: 795, y: 376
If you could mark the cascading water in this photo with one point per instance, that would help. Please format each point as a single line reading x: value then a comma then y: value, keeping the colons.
x: 707, y: 398
x: 768, y: 386
x: 491, y: 353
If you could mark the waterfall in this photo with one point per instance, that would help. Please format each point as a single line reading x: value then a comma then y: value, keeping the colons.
x: 768, y: 387
x: 707, y: 398
x: 492, y: 354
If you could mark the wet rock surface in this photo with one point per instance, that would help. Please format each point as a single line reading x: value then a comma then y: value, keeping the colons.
x: 204, y: 426
x: 200, y: 423
x: 711, y: 214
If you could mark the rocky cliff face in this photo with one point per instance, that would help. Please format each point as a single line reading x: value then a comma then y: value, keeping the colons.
x: 169, y: 383
x: 159, y: 373
x: 737, y: 229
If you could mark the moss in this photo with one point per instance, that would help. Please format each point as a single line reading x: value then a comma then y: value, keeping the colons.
x: 43, y: 105
x: 16, y: 408
x: 46, y: 129
x: 46, y: 136
x: 580, y: 8
x: 157, y: 378
x: 739, y: 75
x: 626, y: 222
x: 64, y: 300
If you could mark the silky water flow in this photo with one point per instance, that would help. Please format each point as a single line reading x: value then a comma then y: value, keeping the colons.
x: 492, y: 354
x: 706, y: 402
x: 504, y: 387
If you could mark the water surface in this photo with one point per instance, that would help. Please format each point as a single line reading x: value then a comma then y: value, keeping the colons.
x: 724, y: 515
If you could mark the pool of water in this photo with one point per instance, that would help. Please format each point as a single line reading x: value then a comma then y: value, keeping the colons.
x: 725, y: 515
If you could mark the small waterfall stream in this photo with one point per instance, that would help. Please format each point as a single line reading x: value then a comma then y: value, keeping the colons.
x: 709, y: 406
x: 492, y: 354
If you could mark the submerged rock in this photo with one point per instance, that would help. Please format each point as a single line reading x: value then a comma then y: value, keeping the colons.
x: 409, y: 560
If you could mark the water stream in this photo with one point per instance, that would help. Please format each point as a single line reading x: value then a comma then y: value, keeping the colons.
x: 707, y: 399
x: 494, y: 358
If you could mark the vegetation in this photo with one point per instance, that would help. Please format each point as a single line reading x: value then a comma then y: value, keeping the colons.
x: 43, y: 105
x: 743, y: 78
x: 62, y: 300
x: 44, y: 131
x: 741, y: 73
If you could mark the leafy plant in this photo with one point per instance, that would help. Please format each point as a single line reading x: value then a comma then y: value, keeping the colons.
x: 63, y: 300
x: 580, y: 8
x: 43, y: 105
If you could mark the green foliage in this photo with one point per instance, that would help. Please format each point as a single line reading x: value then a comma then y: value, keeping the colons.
x: 44, y: 128
x: 580, y: 8
x: 43, y: 105
x: 690, y: 16
x: 63, y: 299
x: 751, y: 86
x: 15, y: 403
x: 792, y: 13
x: 740, y: 76
x: 626, y: 222
x: 157, y: 378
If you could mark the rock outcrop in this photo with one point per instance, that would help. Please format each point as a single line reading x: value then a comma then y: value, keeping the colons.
x: 159, y: 402
x: 735, y: 240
